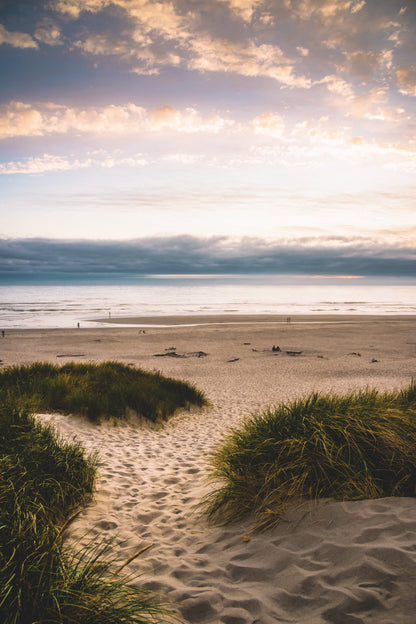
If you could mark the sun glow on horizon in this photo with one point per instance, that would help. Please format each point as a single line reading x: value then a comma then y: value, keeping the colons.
x: 347, y: 277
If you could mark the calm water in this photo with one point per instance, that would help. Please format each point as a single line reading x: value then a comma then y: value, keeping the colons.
x: 65, y: 306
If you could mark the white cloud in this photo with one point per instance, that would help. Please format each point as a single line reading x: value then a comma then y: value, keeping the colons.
x: 20, y: 119
x: 373, y: 105
x: 49, y: 163
x: 148, y: 15
x: 180, y: 157
x: 48, y: 32
x: 326, y: 10
x: 73, y: 8
x: 104, y: 43
x: 16, y: 39
x: 406, y: 79
x: 369, y: 64
x: 43, y: 164
x: 270, y: 124
x: 338, y: 86
x: 163, y: 37
x: 243, y: 8
x: 247, y: 59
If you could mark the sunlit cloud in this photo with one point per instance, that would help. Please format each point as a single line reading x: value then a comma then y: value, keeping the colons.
x: 46, y: 163
x: 338, y: 86
x: 327, y: 10
x: 373, y: 105
x: 73, y: 8
x: 21, y: 119
x: 16, y: 39
x: 48, y: 32
x: 366, y: 64
x: 49, y: 162
x: 246, y: 58
x: 193, y: 49
x: 243, y: 8
x: 270, y: 124
x: 406, y: 79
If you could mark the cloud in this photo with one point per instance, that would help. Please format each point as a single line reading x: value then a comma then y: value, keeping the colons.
x: 73, y: 8
x: 265, y: 141
x: 365, y: 65
x: 51, y: 162
x: 160, y: 36
x: 373, y: 106
x: 48, y: 32
x: 16, y: 39
x: 245, y: 58
x: 42, y: 258
x: 104, y: 43
x: 326, y: 10
x: 269, y: 123
x: 243, y: 8
x: 338, y: 86
x: 406, y: 79
x: 21, y: 119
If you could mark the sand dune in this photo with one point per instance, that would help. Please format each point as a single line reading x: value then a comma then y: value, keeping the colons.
x: 327, y: 562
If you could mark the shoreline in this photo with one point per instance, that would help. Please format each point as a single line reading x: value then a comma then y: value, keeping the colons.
x: 195, y: 320
x: 191, y: 320
x: 326, y: 560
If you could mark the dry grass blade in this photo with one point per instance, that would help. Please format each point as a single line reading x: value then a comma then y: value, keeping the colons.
x: 132, y: 558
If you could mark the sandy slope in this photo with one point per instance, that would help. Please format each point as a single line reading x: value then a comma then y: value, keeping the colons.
x: 331, y: 562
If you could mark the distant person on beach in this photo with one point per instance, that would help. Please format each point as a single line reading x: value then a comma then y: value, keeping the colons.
x: 2, y: 332
x: 78, y: 325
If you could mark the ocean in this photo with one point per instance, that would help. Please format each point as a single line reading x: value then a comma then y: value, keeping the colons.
x: 66, y: 305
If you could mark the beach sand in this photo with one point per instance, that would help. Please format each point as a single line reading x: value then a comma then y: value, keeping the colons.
x: 326, y: 562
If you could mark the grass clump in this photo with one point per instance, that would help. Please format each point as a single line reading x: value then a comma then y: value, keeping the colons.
x: 354, y: 446
x: 95, y: 390
x: 42, y: 481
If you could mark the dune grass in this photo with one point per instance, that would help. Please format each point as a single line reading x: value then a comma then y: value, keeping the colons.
x: 354, y: 446
x: 96, y: 390
x: 42, y: 481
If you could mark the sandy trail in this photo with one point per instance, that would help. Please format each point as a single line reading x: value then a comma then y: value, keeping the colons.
x: 331, y: 562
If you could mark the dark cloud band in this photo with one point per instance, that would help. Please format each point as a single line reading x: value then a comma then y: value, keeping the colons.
x: 40, y: 260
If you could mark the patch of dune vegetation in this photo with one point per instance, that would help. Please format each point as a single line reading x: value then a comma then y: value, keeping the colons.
x: 43, y: 480
x: 108, y: 389
x: 354, y: 446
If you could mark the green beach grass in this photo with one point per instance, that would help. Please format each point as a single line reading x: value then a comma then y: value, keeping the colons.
x: 354, y: 446
x: 108, y: 389
x: 44, y: 480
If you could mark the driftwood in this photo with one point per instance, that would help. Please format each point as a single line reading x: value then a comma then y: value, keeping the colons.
x: 181, y: 355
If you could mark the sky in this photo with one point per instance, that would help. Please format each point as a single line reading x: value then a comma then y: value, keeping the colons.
x: 207, y: 136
